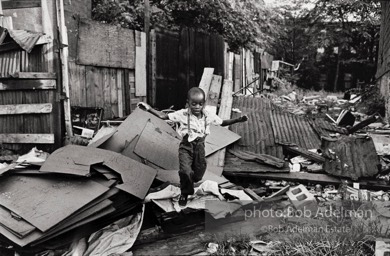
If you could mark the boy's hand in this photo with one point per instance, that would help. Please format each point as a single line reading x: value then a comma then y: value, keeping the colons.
x: 244, y: 118
x: 144, y: 106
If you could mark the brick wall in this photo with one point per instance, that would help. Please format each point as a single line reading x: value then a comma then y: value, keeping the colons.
x: 383, y: 72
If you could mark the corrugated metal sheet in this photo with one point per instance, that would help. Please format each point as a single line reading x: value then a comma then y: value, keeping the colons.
x: 325, y: 128
x: 21, y: 61
x: 25, y: 39
x: 256, y: 134
x: 292, y: 129
x: 350, y: 156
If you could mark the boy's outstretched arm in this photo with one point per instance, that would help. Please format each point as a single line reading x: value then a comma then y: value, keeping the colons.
x: 234, y: 120
x: 147, y: 107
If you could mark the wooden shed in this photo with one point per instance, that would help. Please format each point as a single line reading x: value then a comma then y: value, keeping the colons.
x: 30, y: 95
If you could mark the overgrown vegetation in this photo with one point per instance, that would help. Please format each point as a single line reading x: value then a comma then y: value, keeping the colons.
x: 333, y: 38
x: 329, y: 38
x: 243, y: 23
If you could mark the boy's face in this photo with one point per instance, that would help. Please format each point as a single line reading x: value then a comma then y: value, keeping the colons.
x: 196, y: 103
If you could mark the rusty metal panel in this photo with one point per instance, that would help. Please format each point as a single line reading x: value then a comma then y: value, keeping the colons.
x: 25, y: 39
x: 292, y: 129
x: 256, y: 135
x: 324, y: 128
x: 350, y: 156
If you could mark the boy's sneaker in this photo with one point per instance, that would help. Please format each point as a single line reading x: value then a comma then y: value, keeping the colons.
x: 183, y: 200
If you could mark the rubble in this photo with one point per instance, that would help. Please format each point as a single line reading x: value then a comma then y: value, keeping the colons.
x: 110, y: 188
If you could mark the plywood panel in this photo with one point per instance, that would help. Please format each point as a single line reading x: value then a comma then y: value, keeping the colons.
x: 105, y: 45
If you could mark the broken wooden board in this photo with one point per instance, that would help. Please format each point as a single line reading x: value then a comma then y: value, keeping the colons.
x: 293, y: 176
x: 253, y: 195
x: 158, y: 147
x: 205, y: 82
x: 172, y: 176
x: 260, y: 158
x: 305, y: 153
x: 279, y: 192
x: 22, y: 195
x: 137, y: 177
x: 235, y: 164
x: 214, y: 92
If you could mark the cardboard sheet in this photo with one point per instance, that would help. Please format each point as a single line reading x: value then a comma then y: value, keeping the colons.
x: 33, y: 198
x: 158, y: 147
x: 137, y: 177
x: 219, y: 138
x: 133, y: 126
x: 20, y: 228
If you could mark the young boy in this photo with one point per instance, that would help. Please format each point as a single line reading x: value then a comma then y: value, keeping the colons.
x: 194, y: 127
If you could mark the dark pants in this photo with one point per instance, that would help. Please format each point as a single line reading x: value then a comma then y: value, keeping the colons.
x: 193, y: 165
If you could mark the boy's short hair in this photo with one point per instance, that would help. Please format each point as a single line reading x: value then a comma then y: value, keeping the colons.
x: 195, y: 91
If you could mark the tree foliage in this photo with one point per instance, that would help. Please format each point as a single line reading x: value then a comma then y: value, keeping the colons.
x: 325, y: 32
x: 243, y: 23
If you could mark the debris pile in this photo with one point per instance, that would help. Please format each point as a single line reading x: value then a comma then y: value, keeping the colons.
x: 126, y: 179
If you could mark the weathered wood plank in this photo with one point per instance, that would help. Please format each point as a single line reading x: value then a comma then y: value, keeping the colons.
x: 27, y: 138
x: 34, y: 75
x: 17, y: 4
x: 105, y: 45
x: 306, y: 153
x: 120, y: 84
x: 224, y: 113
x: 140, y: 71
x: 114, y: 92
x: 253, y: 195
x: 152, y: 69
x: 214, y: 92
x: 107, y: 94
x: 26, y: 109
x: 205, y: 82
x: 16, y: 84
x: 292, y: 176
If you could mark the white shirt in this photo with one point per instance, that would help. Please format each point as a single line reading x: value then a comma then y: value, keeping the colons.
x: 200, y: 127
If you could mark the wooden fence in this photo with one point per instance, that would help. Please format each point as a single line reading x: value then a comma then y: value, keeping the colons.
x: 102, y: 67
x: 178, y: 61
